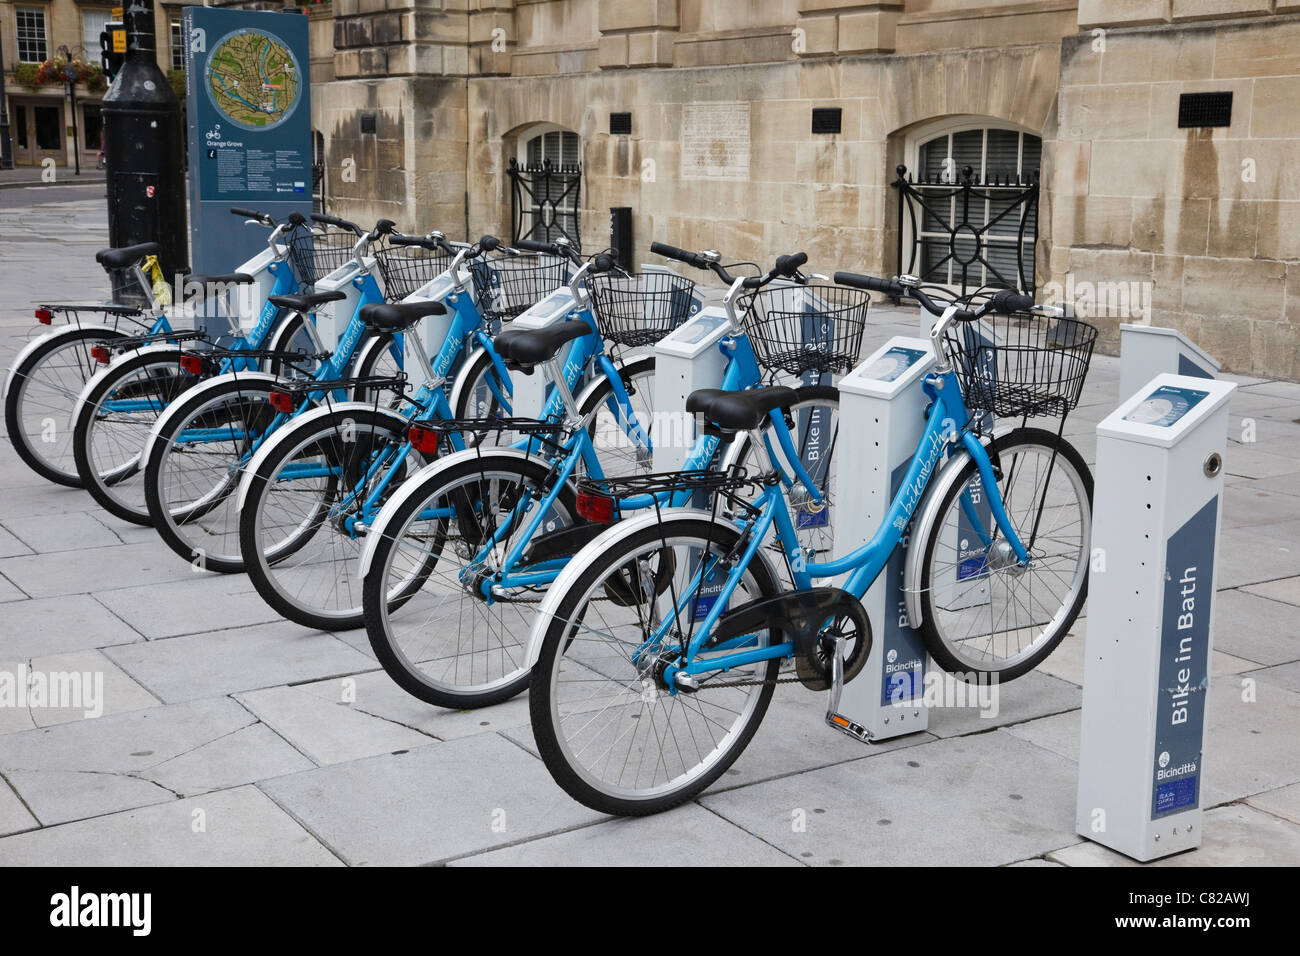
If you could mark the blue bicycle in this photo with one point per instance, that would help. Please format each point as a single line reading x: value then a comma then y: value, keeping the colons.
x: 48, y: 375
x: 312, y: 493
x: 656, y: 651
x: 457, y: 560
x: 144, y: 374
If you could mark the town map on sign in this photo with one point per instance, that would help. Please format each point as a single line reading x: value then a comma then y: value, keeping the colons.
x: 253, y: 79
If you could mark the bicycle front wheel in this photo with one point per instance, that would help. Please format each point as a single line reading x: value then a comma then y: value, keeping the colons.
x: 607, y: 726
x: 428, y: 619
x: 113, y: 424
x: 984, y: 614
x: 302, y: 523
x: 195, y: 465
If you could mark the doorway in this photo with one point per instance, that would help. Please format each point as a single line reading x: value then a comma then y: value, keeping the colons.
x: 38, y: 132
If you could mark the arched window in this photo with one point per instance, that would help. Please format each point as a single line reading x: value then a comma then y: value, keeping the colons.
x: 974, y: 236
x: 546, y: 182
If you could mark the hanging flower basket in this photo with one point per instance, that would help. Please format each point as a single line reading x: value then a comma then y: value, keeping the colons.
x: 60, y: 70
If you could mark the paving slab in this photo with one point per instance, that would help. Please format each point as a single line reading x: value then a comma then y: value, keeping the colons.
x: 225, y: 662
x: 1245, y: 557
x: 204, y: 602
x: 1256, y: 628
x: 182, y: 748
x: 687, y: 836
x: 375, y: 694
x: 38, y: 497
x: 1286, y: 590
x: 10, y: 546
x: 1256, y: 463
x: 1246, y: 505
x: 1235, y: 835
x: 86, y: 681
x: 61, y: 796
x: 1288, y: 484
x: 981, y: 800
x: 75, y: 531
x: 1283, y: 802
x: 95, y: 569
x: 14, y: 817
x: 1283, y: 675
x: 431, y: 804
x: 1033, y: 695
x: 9, y: 591
x: 327, y: 731
x: 56, y: 625
x: 238, y: 827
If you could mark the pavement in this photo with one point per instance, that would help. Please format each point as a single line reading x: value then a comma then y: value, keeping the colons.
x: 230, y: 737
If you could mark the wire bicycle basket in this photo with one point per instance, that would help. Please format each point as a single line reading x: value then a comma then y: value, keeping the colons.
x: 407, y: 269
x: 806, y: 328
x: 506, y: 286
x: 1021, y: 365
x: 317, y: 253
x: 640, y: 309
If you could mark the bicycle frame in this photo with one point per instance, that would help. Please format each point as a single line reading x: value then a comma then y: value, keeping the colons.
x: 862, y: 566
x: 741, y: 372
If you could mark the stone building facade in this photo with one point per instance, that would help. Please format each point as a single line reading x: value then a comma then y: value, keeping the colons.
x: 422, y: 105
x: 42, y: 125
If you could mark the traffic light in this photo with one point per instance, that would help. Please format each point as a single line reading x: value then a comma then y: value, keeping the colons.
x: 112, y: 48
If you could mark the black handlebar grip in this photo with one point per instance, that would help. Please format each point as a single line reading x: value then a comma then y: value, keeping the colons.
x: 397, y: 239
x: 788, y: 265
x: 534, y: 245
x: 603, y: 262
x: 672, y: 252
x: 489, y: 243
x: 327, y: 220
x: 1008, y: 301
x: 870, y: 283
x: 248, y: 214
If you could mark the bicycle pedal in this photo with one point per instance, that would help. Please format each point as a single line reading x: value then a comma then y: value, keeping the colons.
x: 848, y: 727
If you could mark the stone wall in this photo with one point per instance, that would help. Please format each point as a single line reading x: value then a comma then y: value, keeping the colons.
x: 1206, y: 219
x: 455, y: 85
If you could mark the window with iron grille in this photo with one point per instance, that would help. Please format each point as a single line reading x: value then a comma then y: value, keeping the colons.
x: 547, y: 187
x: 31, y: 35
x: 1000, y: 160
x: 178, y: 46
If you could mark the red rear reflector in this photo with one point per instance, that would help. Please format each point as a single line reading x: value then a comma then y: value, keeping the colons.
x: 99, y: 353
x: 192, y: 364
x: 282, y: 402
x: 423, y: 440
x: 596, y: 508
x: 44, y: 316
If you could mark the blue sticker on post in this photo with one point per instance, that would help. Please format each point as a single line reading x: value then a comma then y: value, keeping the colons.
x: 903, y: 673
x: 1184, y: 664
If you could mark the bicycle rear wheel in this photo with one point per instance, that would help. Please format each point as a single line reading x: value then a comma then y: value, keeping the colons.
x: 42, y: 401
x: 983, y: 614
x: 606, y: 725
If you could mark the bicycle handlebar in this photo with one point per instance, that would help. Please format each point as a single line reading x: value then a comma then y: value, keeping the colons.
x: 326, y: 220
x: 261, y: 217
x: 1005, y: 301
x: 786, y: 267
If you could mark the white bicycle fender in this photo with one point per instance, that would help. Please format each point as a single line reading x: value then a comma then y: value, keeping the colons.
x: 164, y: 420
x: 593, y: 551
x: 921, y: 524
x: 41, y: 339
x: 290, y: 428
x: 413, y: 486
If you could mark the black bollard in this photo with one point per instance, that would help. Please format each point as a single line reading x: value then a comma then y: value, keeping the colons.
x: 144, y: 149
